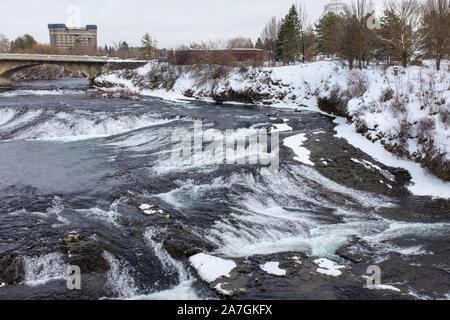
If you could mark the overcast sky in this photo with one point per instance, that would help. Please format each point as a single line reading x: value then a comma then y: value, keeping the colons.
x: 171, y: 22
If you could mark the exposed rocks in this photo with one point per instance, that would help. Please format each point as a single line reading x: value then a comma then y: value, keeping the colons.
x: 334, y: 104
x: 12, y: 270
x: 185, y: 244
x: 45, y: 72
x: 85, y: 253
x: 248, y: 96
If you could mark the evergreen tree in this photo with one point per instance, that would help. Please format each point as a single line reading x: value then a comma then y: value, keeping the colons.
x: 259, y: 44
x: 327, y: 31
x: 23, y: 43
x: 148, y: 47
x: 288, y: 43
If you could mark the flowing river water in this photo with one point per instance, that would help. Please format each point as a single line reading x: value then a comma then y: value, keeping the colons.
x: 75, y: 168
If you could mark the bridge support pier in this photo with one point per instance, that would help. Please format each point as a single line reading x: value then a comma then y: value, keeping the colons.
x: 5, y: 82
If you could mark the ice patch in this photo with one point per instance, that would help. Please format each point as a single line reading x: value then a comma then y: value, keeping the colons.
x: 144, y: 207
x: 222, y: 290
x: 369, y: 165
x: 328, y: 267
x: 211, y: 268
x: 280, y: 127
x: 385, y: 287
x: 273, y: 268
x: 297, y: 260
x: 301, y: 154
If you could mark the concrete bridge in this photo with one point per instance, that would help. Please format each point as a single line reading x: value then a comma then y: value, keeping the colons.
x: 91, y: 67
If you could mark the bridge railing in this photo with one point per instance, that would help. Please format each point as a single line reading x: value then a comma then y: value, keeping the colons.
x: 52, y: 58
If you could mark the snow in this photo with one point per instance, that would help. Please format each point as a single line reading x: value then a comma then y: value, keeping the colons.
x: 328, y: 267
x: 144, y: 207
x: 273, y: 268
x: 211, y: 268
x: 424, y: 184
x: 402, y: 109
x: 222, y: 290
x: 297, y: 260
x: 301, y: 154
x: 385, y: 287
x: 280, y: 127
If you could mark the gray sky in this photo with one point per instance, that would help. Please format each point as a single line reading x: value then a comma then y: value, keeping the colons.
x: 171, y: 22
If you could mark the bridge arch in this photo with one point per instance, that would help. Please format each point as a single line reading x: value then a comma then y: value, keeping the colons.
x: 91, y: 67
x: 90, y: 71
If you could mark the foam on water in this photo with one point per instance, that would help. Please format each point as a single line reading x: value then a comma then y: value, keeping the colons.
x: 279, y: 214
x: 78, y: 125
x: 55, y: 92
x: 43, y: 269
x: 6, y: 115
x: 19, y: 118
x: 182, y: 291
x: 119, y: 278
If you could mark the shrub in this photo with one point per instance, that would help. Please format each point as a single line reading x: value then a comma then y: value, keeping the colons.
x: 357, y: 83
x: 387, y: 95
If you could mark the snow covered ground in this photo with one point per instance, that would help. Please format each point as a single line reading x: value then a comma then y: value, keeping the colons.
x: 403, y: 110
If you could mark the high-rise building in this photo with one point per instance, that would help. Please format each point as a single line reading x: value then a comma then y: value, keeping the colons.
x: 70, y: 38
x: 336, y: 7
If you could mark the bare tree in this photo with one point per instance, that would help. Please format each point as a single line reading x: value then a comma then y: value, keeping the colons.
x: 239, y: 42
x: 355, y: 38
x: 436, y: 29
x: 307, y: 35
x: 401, y: 23
x: 303, y: 19
x: 5, y: 44
x: 362, y: 10
x: 269, y: 36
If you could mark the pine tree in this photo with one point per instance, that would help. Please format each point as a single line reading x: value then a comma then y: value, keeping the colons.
x: 327, y: 30
x: 148, y: 47
x: 259, y: 44
x: 288, y: 42
x: 23, y: 43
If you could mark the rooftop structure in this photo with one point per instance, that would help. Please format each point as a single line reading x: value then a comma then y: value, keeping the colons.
x: 336, y: 7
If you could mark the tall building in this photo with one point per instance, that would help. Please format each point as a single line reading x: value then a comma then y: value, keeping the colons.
x: 70, y: 38
x: 335, y: 6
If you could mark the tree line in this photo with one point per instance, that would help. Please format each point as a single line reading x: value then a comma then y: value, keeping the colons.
x: 27, y: 44
x: 406, y: 32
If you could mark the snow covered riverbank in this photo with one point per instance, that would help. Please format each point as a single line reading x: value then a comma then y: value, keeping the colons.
x: 407, y: 111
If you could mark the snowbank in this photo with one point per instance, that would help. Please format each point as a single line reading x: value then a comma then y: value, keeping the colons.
x: 423, y: 183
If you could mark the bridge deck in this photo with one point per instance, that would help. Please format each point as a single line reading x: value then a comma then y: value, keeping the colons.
x: 51, y: 58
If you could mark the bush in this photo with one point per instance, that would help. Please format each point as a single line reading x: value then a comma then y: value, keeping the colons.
x: 387, y: 95
x: 335, y: 103
x: 42, y: 49
x: 357, y: 83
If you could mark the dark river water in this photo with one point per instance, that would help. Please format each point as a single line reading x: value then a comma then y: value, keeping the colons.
x: 76, y: 168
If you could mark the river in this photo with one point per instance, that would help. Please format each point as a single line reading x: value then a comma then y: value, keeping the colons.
x: 76, y: 168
